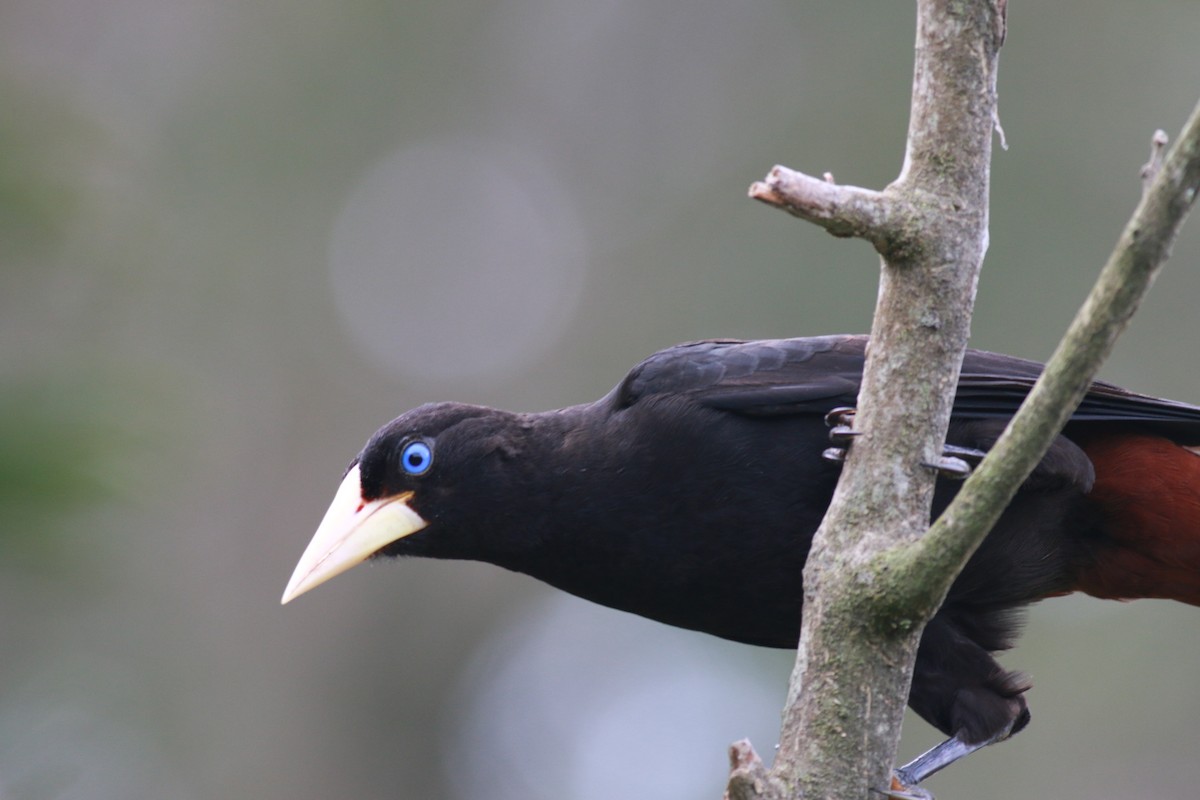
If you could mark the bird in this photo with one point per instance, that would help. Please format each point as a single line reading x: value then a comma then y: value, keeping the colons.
x: 690, y: 494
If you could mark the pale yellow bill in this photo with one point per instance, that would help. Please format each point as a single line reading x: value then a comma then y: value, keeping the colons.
x: 350, y: 532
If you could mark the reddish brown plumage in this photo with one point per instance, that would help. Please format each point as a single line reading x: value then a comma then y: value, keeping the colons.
x: 1148, y: 490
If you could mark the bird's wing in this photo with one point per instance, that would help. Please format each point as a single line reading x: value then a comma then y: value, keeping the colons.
x: 813, y: 375
x: 993, y: 385
x: 759, y: 378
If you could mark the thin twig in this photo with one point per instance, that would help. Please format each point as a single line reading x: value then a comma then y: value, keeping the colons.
x: 841, y: 210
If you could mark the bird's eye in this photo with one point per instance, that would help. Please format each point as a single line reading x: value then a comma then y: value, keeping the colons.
x: 416, y: 458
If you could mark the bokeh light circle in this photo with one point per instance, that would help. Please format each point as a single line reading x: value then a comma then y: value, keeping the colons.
x: 577, y: 701
x: 456, y: 260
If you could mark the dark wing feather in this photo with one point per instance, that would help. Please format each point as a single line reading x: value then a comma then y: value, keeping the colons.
x: 760, y: 378
x: 994, y: 385
x: 813, y: 375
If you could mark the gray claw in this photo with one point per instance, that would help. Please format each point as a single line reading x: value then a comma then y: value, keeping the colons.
x: 842, y: 434
x: 835, y: 454
x: 952, y: 467
x: 842, y: 415
x: 955, y: 463
x: 968, y: 454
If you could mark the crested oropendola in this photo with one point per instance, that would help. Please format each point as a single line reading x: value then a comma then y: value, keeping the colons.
x: 690, y: 493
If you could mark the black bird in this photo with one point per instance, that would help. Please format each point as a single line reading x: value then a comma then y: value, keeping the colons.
x: 690, y: 493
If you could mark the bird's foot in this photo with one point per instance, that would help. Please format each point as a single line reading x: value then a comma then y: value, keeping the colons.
x: 840, y: 422
x: 955, y: 462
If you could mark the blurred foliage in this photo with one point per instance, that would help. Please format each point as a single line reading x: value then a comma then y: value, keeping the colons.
x: 40, y: 141
x: 52, y: 461
x: 52, y: 443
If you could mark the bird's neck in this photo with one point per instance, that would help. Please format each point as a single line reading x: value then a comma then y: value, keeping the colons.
x: 646, y: 532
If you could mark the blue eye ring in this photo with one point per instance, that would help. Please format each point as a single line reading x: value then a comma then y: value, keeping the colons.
x: 416, y: 457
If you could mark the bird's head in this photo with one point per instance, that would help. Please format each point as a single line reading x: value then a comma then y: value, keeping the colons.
x: 415, y: 475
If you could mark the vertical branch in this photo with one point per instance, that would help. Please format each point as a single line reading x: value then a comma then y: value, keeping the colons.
x: 854, y: 664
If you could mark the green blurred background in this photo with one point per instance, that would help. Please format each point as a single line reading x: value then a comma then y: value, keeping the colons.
x: 237, y: 237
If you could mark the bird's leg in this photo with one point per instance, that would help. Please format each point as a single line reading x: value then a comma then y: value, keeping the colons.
x: 905, y: 779
x: 955, y: 463
x: 937, y: 758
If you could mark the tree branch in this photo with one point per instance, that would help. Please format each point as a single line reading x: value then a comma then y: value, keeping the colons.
x: 854, y: 664
x: 1140, y: 253
x: 841, y: 210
